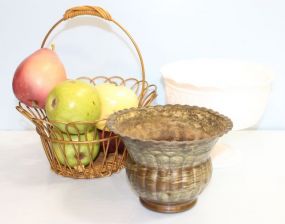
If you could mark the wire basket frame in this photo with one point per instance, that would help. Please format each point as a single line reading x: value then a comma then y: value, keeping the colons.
x: 93, y: 153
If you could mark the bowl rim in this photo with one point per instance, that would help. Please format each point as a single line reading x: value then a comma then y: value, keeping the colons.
x: 169, y: 77
x: 111, y: 120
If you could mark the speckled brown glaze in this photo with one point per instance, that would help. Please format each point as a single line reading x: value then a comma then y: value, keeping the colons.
x: 169, y: 151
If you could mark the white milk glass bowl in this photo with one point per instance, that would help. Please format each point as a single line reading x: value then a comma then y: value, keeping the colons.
x: 237, y: 89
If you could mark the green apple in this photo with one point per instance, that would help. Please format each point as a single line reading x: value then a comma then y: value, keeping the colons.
x: 73, y: 101
x: 71, y: 154
x: 114, y: 98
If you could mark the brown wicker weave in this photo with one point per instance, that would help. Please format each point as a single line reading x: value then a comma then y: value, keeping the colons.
x: 59, y: 146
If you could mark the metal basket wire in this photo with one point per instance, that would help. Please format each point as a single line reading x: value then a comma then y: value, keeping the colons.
x: 94, y: 153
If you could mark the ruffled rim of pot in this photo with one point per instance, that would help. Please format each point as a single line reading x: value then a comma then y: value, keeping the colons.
x: 112, y: 119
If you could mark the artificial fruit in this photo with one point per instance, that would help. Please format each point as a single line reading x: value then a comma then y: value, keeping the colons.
x: 74, y: 154
x: 110, y: 142
x: 73, y: 101
x: 36, y: 76
x: 114, y: 98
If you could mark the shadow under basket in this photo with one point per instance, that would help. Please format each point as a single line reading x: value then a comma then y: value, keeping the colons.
x: 87, y: 152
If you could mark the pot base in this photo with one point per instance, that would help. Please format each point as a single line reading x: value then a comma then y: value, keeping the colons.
x: 168, y: 208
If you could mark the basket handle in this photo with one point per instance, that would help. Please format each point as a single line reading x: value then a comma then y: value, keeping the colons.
x: 102, y: 13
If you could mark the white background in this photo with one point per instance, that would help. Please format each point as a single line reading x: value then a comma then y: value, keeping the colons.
x: 166, y: 30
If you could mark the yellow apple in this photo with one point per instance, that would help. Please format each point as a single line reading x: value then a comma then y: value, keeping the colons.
x: 114, y: 98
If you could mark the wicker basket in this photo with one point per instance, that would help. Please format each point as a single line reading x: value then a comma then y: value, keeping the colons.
x: 75, y: 155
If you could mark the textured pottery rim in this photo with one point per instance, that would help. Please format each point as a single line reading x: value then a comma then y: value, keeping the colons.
x: 111, y: 123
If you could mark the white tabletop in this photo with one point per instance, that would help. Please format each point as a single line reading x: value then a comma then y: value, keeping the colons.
x: 249, y: 190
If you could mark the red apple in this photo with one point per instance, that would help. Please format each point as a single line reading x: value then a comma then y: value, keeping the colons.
x: 112, y: 145
x: 36, y: 76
